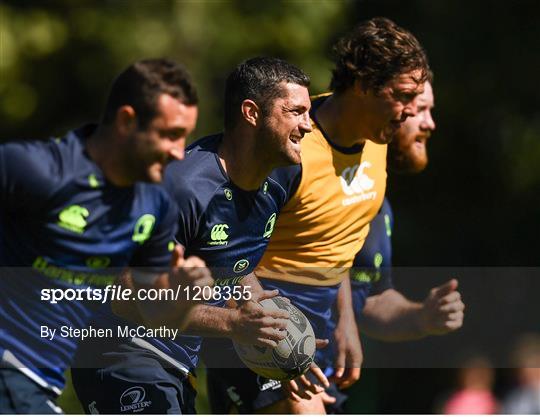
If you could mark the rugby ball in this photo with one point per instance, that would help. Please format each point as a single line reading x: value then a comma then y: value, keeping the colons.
x: 292, y: 356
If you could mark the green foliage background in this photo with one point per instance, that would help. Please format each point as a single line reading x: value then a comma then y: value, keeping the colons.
x: 58, y: 58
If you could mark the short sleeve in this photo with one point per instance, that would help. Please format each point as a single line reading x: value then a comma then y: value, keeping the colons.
x: 373, y: 264
x: 383, y: 283
x: 386, y: 282
x: 26, y: 169
x: 189, y: 211
x: 289, y: 178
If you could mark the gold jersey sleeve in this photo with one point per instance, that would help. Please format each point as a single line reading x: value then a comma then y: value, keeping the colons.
x: 325, y: 223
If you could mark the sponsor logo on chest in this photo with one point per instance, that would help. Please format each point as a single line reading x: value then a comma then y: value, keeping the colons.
x: 219, y: 235
x: 357, y: 184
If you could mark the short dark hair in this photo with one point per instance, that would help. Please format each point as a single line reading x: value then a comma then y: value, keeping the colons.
x: 141, y: 84
x: 375, y: 52
x: 258, y: 79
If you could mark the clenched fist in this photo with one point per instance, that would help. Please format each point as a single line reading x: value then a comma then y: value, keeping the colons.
x: 442, y: 310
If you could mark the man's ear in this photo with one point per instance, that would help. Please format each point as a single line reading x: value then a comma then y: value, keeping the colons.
x: 250, y: 112
x: 126, y: 120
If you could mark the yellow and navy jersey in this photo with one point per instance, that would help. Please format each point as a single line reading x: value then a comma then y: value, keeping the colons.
x: 325, y: 222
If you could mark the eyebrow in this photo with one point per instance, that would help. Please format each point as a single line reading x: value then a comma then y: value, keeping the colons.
x: 408, y: 89
x: 295, y: 107
x: 176, y: 130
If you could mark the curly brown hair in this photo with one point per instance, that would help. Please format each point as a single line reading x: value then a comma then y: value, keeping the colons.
x: 375, y: 52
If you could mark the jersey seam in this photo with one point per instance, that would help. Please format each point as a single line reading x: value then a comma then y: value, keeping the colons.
x: 280, y: 187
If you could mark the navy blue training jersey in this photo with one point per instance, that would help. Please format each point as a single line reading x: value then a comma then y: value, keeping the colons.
x: 226, y: 226
x: 371, y: 273
x: 63, y: 225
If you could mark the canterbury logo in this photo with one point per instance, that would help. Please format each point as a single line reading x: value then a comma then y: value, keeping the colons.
x: 356, y: 184
x: 218, y: 234
x: 355, y: 181
x: 73, y: 218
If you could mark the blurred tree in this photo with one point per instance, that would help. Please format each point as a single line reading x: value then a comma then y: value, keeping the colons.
x: 58, y: 58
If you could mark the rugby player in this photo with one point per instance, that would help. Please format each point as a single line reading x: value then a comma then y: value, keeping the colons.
x: 338, y: 189
x: 228, y: 207
x: 72, y: 206
x: 381, y: 311
x: 387, y: 314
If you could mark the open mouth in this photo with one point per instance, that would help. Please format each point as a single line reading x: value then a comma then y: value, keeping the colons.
x: 295, y: 139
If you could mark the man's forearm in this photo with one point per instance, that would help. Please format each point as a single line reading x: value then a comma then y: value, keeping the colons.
x: 172, y: 313
x: 344, y: 301
x: 210, y: 321
x: 349, y: 357
x: 152, y: 314
x: 391, y: 317
x: 254, y: 285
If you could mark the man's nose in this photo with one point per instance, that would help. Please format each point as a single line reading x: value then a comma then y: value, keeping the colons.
x: 428, y: 123
x: 177, y: 150
x: 305, y: 124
